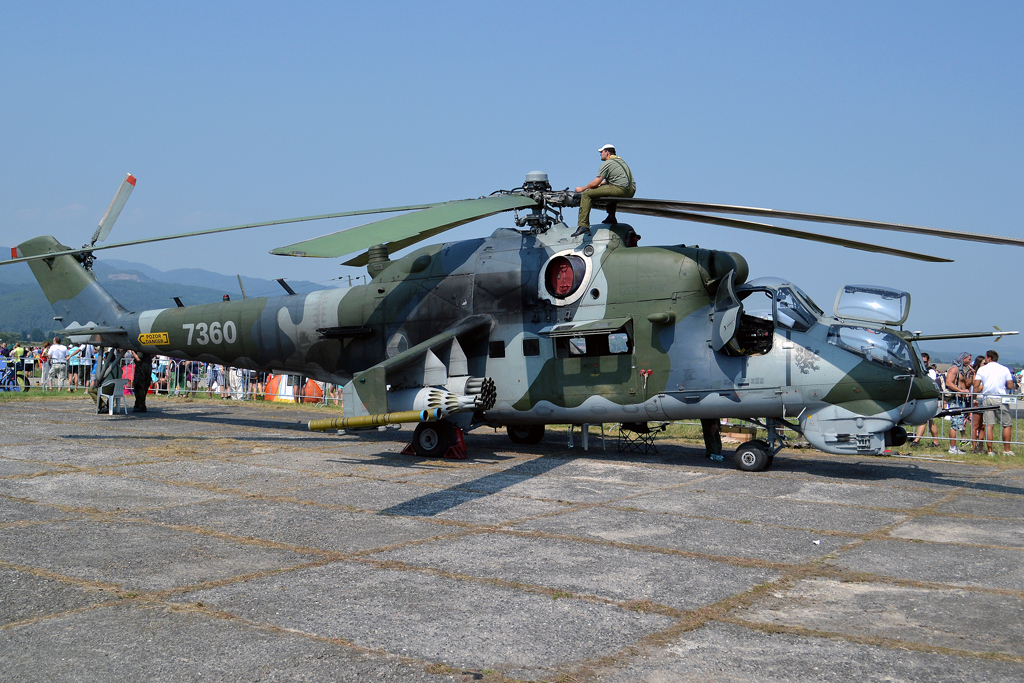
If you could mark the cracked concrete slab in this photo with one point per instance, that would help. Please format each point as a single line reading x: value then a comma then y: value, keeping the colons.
x: 780, y: 512
x: 1001, y: 505
x: 954, y: 619
x: 724, y: 652
x: 713, y: 537
x: 949, y: 563
x: 458, y: 623
x: 28, y: 596
x: 833, y: 492
x: 141, y: 557
x: 98, y: 492
x: 618, y: 574
x: 942, y: 529
x: 14, y: 511
x: 221, y: 475
x: 300, y: 525
x: 130, y: 643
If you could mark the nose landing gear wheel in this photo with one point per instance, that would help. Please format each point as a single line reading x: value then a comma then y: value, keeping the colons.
x: 753, y: 456
x: 433, y: 439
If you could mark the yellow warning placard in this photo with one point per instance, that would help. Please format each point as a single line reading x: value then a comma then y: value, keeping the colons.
x: 154, y: 338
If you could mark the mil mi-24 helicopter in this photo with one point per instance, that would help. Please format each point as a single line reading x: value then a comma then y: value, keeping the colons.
x: 532, y: 326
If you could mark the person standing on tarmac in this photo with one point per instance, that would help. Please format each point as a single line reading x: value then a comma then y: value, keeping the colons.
x: 141, y: 380
x: 712, y: 430
x: 614, y: 179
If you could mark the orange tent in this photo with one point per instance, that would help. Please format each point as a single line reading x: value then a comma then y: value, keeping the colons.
x: 283, y: 388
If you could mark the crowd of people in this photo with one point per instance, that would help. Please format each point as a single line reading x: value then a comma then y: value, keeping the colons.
x: 60, y: 367
x: 967, y: 385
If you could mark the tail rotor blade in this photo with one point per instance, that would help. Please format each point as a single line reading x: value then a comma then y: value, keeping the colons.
x: 114, y: 210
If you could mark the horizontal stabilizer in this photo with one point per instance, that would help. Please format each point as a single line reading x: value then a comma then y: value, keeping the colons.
x: 960, y: 335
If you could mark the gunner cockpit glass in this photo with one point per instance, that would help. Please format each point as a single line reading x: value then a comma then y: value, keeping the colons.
x: 878, y: 346
x: 791, y: 312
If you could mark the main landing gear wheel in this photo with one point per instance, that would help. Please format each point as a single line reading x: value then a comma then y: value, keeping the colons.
x: 754, y: 456
x: 433, y: 439
x: 525, y: 434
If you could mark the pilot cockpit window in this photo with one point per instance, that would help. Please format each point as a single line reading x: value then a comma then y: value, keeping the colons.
x: 758, y: 303
x: 791, y: 312
x: 877, y: 346
x: 808, y: 300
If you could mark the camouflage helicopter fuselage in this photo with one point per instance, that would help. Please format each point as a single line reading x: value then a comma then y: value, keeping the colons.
x: 569, y: 330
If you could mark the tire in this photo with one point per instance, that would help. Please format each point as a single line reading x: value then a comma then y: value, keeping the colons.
x: 753, y: 457
x: 525, y: 434
x: 24, y: 383
x: 433, y: 439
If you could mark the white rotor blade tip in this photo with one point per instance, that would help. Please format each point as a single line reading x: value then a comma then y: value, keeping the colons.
x: 114, y: 210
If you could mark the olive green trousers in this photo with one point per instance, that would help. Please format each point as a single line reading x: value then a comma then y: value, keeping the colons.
x: 603, y: 191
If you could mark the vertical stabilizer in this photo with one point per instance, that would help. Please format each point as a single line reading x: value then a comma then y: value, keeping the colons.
x: 77, y: 298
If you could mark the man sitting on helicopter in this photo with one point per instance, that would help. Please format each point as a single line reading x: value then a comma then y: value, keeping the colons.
x: 614, y: 179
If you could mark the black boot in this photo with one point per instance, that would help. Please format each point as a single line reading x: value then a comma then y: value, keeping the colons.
x: 582, y: 230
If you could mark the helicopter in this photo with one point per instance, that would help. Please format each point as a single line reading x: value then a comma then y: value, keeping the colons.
x: 533, y: 326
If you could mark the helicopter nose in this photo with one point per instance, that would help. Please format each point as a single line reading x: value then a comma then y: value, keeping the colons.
x: 920, y: 411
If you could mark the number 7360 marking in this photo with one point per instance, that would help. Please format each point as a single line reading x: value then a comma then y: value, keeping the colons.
x: 210, y: 333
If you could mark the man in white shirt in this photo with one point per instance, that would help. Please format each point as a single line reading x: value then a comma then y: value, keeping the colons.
x: 58, y: 365
x: 994, y: 381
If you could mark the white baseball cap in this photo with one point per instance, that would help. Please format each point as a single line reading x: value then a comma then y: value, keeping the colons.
x: 606, y: 147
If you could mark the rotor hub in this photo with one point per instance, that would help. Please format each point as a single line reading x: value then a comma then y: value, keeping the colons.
x: 550, y: 202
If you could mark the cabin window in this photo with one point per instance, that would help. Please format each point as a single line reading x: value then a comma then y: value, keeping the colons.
x: 531, y: 347
x: 612, y: 344
x: 618, y: 342
x: 496, y: 349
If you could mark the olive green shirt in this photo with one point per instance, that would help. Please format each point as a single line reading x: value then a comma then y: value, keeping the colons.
x: 616, y: 172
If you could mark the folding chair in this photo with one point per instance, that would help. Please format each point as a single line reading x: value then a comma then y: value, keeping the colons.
x: 638, y: 437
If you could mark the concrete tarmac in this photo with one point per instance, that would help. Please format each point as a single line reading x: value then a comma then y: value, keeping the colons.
x: 224, y: 541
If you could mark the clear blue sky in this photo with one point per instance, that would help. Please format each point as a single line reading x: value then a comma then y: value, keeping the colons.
x: 237, y: 112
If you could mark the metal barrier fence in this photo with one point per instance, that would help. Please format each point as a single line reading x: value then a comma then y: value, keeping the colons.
x: 204, y: 380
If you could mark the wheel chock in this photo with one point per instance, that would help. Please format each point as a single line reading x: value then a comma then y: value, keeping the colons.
x: 457, y: 451
x: 408, y: 450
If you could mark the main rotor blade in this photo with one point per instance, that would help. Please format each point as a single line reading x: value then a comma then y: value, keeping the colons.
x: 245, y: 226
x: 775, y: 230
x: 813, y: 218
x: 114, y: 210
x: 402, y: 231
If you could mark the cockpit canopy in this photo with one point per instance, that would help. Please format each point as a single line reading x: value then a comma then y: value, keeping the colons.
x: 745, y: 319
x: 775, y: 299
x: 872, y: 304
x: 878, y: 346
